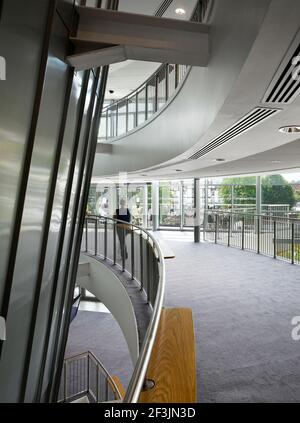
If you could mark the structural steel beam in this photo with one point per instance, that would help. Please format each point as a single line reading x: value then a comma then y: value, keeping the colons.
x: 105, y: 37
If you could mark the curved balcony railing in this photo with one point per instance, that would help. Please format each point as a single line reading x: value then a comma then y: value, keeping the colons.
x: 135, y: 251
x: 135, y: 109
x: 273, y: 236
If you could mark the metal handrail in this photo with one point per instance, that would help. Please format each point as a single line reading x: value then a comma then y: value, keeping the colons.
x: 230, y: 212
x: 273, y: 236
x: 200, y: 14
x: 139, y: 374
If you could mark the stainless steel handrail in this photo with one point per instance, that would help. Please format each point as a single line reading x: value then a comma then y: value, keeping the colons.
x: 139, y: 374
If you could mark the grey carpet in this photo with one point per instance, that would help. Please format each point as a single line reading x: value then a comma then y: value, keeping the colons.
x: 101, y: 334
x: 243, y: 305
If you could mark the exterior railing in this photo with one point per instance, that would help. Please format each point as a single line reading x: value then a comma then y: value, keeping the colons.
x: 276, y: 237
x: 135, y: 109
x: 84, y: 375
x: 135, y: 251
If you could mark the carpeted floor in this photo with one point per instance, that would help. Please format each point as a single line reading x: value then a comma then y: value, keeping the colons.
x: 242, y: 304
x: 101, y: 334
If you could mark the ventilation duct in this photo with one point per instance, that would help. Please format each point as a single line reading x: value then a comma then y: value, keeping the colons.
x: 252, y: 119
x: 163, y: 8
x: 285, y: 86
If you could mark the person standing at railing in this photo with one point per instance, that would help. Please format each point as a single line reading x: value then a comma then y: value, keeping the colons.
x: 124, y: 215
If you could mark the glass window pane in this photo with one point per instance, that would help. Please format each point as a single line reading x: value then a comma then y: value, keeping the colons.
x: 131, y: 113
x: 169, y: 204
x: 122, y: 109
x: 141, y: 106
x: 102, y: 129
x: 112, y: 122
x: 172, y: 79
x: 161, y: 88
x: 151, y: 97
x: 188, y: 203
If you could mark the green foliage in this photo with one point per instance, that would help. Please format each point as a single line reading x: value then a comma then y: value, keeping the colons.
x: 275, y: 190
x: 244, y: 190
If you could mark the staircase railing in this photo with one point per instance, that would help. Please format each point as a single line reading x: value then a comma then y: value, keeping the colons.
x: 135, y: 251
x: 85, y: 376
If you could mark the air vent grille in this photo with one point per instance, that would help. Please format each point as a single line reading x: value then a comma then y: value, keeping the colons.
x: 248, y: 122
x: 163, y: 8
x: 286, y: 84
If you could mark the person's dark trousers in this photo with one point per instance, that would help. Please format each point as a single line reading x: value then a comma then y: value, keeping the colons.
x: 122, y: 232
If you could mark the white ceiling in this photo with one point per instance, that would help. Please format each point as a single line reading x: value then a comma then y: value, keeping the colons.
x: 125, y: 77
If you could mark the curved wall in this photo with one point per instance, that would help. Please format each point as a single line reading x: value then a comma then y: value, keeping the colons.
x: 234, y: 28
x: 104, y: 284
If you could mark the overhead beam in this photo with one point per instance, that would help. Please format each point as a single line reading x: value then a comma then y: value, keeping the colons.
x: 105, y: 37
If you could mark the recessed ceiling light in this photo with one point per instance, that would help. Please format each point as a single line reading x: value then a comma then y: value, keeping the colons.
x: 275, y: 161
x: 178, y: 170
x: 219, y: 160
x: 180, y: 11
x: 290, y: 129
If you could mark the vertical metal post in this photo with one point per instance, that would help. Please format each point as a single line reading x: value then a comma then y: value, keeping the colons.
x: 146, y: 102
x: 156, y: 93
x: 243, y: 233
x: 181, y: 205
x: 216, y: 228
x: 176, y: 76
x: 132, y: 252
x: 105, y: 239
x: 106, y: 389
x: 197, y: 209
x: 123, y: 248
x: 97, y: 383
x: 115, y: 244
x: 258, y: 195
x: 141, y: 261
x: 65, y: 382
x: 147, y: 269
x: 155, y: 205
x: 86, y: 235
x: 117, y: 120
x: 136, y: 109
x: 167, y: 81
x: 258, y: 234
x: 88, y: 373
x: 229, y: 230
x: 127, y: 117
x: 96, y: 236
x: 275, y: 239
x: 293, y: 243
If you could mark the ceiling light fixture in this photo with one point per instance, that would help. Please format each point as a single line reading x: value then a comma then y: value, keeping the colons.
x: 180, y: 11
x: 219, y: 160
x: 290, y: 129
x: 275, y: 161
x: 178, y: 170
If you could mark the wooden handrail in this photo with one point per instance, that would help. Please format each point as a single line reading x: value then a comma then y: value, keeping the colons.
x: 173, y: 361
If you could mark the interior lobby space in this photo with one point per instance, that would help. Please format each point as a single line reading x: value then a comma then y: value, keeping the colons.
x: 149, y: 203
